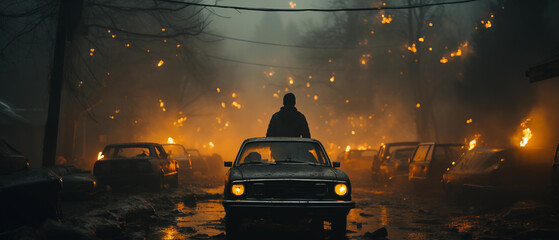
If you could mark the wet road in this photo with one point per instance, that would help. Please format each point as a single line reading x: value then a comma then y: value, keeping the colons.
x: 194, y: 211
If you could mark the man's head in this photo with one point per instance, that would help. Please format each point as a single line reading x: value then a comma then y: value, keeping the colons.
x: 289, y: 100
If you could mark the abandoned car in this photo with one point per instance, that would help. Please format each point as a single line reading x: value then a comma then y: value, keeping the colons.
x: 384, y: 152
x: 179, y: 153
x: 144, y: 164
x: 286, y: 178
x: 431, y: 160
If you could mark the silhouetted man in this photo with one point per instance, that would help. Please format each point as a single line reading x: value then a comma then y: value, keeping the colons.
x: 288, y: 122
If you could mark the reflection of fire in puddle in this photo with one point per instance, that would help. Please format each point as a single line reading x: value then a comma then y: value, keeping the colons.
x: 461, y: 225
x: 207, y: 216
x: 203, y: 218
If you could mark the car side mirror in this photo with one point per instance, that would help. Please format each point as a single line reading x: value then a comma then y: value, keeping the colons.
x: 336, y: 164
x: 227, y: 163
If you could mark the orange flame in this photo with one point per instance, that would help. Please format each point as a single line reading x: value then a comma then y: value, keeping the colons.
x: 170, y: 140
x: 100, y: 156
x: 473, y: 142
x: 526, y: 132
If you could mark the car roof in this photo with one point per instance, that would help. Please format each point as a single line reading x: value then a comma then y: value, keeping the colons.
x: 133, y: 144
x: 400, y: 143
x: 280, y: 139
x: 171, y: 144
x: 441, y: 144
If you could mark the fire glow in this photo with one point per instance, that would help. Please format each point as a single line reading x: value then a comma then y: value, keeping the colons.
x: 473, y: 142
x: 170, y: 140
x: 526, y: 132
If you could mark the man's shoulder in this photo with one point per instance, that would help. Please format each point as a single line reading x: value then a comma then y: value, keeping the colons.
x: 301, y: 115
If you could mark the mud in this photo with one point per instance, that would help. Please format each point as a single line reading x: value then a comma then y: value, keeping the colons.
x: 194, y: 211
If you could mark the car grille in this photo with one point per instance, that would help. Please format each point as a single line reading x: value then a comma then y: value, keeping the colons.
x: 289, y: 189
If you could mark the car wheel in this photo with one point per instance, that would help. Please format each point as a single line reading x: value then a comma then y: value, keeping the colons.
x: 158, y: 184
x: 339, y: 225
x: 232, y: 226
x: 174, y: 181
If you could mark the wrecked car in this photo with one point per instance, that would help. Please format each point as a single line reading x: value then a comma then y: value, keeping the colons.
x: 356, y: 162
x: 27, y: 196
x: 510, y: 172
x: 199, y: 163
x: 179, y: 153
x: 75, y: 182
x: 397, y: 165
x: 431, y: 160
x: 384, y: 153
x: 144, y: 164
x: 286, y: 178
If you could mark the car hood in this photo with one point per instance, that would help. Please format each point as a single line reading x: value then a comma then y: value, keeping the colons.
x: 287, y: 171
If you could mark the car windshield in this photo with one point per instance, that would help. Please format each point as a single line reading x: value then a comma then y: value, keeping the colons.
x: 193, y: 153
x: 360, y: 154
x: 401, y: 155
x: 282, y: 152
x: 174, y: 150
x: 127, y: 152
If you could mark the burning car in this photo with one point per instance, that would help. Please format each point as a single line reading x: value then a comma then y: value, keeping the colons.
x: 286, y: 178
x: 384, y: 153
x: 431, y: 160
x: 179, y: 153
x: 136, y: 164
x: 511, y: 172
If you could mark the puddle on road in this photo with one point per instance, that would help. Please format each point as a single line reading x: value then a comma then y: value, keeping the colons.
x: 202, y: 219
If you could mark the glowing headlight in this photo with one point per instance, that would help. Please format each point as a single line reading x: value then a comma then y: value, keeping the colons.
x: 340, y: 189
x: 238, y: 189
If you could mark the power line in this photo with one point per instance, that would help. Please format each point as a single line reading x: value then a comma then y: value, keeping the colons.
x: 319, y: 10
x: 259, y: 64
x: 289, y: 45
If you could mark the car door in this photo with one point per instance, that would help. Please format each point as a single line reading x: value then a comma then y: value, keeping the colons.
x: 164, y: 161
x: 418, y: 162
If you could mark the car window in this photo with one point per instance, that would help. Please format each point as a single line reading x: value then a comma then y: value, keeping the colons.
x: 126, y: 152
x: 466, y: 163
x: 276, y: 152
x: 368, y: 153
x: 421, y: 153
x: 354, y: 154
x: 174, y: 150
x: 402, y: 155
x: 381, y: 151
x: 193, y: 153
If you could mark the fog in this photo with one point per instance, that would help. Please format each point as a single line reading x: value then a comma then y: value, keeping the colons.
x: 360, y: 78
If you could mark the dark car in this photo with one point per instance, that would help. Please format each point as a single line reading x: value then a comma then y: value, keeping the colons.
x: 384, y: 153
x: 179, y: 153
x: 143, y: 164
x: 75, y: 182
x: 431, y: 160
x: 515, y: 172
x: 356, y: 162
x: 27, y: 196
x: 199, y: 163
x: 397, y: 165
x: 286, y: 178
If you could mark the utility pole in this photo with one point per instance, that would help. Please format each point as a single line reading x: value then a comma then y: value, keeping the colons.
x: 68, y: 17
